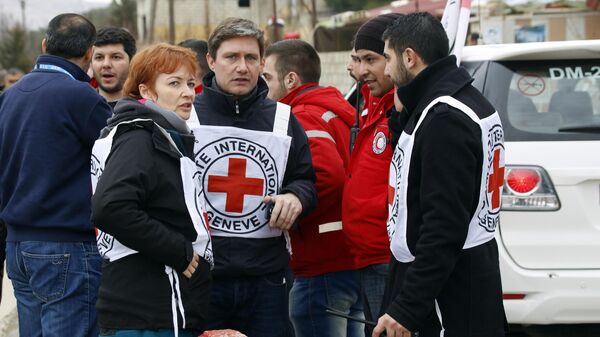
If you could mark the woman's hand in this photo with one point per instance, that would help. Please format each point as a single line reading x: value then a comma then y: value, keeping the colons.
x: 191, y: 268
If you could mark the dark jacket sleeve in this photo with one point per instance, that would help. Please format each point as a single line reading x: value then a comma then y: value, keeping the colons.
x: 299, y: 177
x: 96, y: 120
x: 450, y: 165
x: 120, y: 199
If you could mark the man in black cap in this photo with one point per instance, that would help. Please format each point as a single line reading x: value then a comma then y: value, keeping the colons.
x: 364, y: 212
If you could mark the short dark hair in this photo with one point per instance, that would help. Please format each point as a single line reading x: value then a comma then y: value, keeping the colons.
x: 297, y: 56
x: 69, y: 36
x: 116, y: 35
x: 231, y: 28
x: 420, y: 31
x: 200, y: 47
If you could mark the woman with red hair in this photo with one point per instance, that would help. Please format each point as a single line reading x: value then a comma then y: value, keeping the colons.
x: 148, y: 204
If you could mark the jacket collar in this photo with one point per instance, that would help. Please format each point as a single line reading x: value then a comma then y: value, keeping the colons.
x: 298, y: 92
x: 375, y: 105
x: 440, y: 78
x: 229, y: 103
x: 128, y: 109
x: 65, y: 64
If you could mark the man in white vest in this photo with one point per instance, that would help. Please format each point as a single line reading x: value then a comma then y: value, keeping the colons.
x: 446, y: 180
x: 256, y: 170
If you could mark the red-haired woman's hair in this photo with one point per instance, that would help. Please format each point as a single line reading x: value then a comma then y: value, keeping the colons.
x: 153, y: 60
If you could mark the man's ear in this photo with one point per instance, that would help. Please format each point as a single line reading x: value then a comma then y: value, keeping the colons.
x: 411, y: 59
x: 408, y: 57
x: 146, y: 92
x: 44, y: 46
x: 292, y: 81
x: 88, y: 55
x: 210, y: 61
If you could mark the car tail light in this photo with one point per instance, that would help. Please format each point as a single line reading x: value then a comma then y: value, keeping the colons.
x: 523, y: 181
x: 528, y: 188
x: 513, y: 296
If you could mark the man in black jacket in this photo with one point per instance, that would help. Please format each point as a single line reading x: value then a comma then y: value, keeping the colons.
x: 256, y: 170
x: 446, y: 175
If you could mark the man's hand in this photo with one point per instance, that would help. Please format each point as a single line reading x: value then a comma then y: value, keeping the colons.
x: 191, y: 268
x: 286, y: 210
x: 391, y: 327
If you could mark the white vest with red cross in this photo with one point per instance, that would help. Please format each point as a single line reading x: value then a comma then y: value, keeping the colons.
x: 109, y: 247
x: 485, y: 220
x: 238, y: 168
x: 112, y: 250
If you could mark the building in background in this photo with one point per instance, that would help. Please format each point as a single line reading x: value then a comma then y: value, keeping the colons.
x: 494, y: 20
x: 548, y: 24
x: 197, y: 18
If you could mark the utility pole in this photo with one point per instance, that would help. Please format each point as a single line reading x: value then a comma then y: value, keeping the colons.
x: 171, y: 22
x: 23, y: 14
x: 313, y: 14
x: 207, y: 18
x: 275, y: 28
x: 152, y: 21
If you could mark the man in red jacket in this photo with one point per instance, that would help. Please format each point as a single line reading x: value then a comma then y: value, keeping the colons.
x: 364, y: 206
x: 322, y: 263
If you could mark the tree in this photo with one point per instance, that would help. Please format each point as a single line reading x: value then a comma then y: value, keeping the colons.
x: 120, y: 13
x: 13, y: 49
x: 124, y: 14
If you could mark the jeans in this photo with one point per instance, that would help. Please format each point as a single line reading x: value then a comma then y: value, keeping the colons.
x: 372, y: 282
x: 255, y: 306
x: 56, y: 287
x: 310, y: 297
x: 146, y: 333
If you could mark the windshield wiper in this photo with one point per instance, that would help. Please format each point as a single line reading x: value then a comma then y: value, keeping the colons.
x: 588, y: 128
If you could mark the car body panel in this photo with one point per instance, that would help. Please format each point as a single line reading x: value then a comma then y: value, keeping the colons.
x: 551, y: 257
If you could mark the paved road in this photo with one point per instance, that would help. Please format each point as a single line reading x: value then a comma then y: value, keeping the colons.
x: 8, y: 310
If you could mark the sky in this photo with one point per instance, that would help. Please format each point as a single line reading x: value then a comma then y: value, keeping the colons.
x: 39, y: 12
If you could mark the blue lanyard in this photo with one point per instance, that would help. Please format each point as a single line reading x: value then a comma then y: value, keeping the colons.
x: 54, y: 68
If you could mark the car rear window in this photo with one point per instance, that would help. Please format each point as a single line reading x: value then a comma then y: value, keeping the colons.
x: 544, y: 100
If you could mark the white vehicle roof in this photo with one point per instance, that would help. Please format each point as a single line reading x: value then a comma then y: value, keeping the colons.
x: 556, y: 50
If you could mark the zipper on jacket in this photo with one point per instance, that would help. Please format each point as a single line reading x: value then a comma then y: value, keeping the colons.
x: 237, y: 107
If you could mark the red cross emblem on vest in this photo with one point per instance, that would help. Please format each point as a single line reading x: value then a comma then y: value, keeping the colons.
x: 496, y: 180
x: 236, y: 185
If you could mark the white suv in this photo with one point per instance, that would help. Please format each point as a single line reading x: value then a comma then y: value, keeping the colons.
x: 548, y: 96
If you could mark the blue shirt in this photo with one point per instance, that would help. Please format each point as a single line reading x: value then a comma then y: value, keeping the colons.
x: 49, y: 121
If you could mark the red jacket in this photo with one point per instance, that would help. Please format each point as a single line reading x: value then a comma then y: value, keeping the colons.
x: 364, y: 206
x: 318, y: 244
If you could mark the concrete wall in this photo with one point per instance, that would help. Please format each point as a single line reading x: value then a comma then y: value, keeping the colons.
x: 333, y: 70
